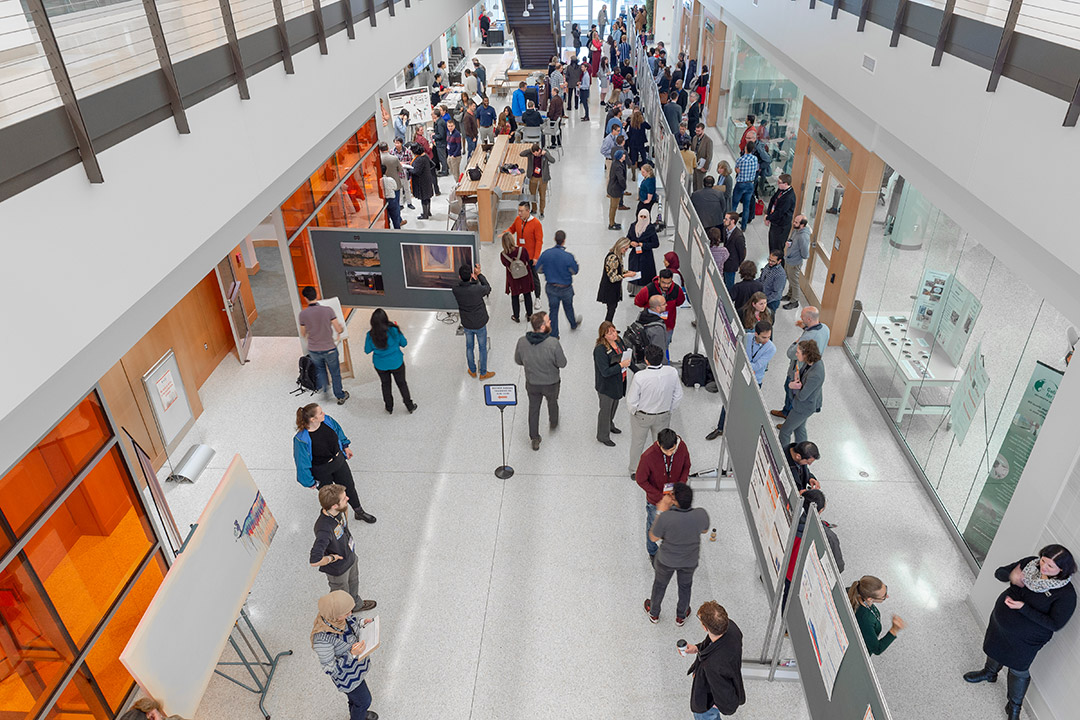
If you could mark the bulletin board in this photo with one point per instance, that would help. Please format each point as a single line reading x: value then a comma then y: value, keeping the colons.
x: 416, y: 100
x: 168, y: 400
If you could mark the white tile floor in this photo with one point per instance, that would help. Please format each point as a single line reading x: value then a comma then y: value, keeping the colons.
x: 522, y: 598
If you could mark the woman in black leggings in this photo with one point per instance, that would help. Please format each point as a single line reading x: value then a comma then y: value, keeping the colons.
x: 320, y: 450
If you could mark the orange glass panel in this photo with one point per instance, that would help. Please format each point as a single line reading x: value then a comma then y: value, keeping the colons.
x: 348, y: 154
x: 298, y: 208
x: 303, y: 263
x: 34, y: 654
x: 90, y: 547
x: 368, y: 135
x: 324, y: 179
x: 104, y: 658
x: 78, y: 701
x: 28, y: 488
x: 332, y: 214
x: 372, y: 167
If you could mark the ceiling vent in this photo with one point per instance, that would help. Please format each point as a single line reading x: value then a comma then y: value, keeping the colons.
x: 868, y: 64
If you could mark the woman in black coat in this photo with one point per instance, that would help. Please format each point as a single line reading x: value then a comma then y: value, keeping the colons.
x: 610, y: 291
x: 1037, y: 603
x: 423, y: 180
x: 643, y: 239
x: 610, y: 379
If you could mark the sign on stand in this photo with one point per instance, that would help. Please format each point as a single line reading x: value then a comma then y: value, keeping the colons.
x: 501, y: 396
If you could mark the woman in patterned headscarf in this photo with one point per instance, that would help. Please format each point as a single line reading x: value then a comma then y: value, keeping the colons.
x: 335, y: 639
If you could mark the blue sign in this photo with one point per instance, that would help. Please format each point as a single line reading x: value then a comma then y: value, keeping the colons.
x: 500, y: 395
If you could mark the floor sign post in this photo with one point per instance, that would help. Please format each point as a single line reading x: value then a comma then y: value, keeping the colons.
x: 502, y: 397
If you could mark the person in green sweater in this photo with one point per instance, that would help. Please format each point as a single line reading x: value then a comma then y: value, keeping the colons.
x: 864, y: 594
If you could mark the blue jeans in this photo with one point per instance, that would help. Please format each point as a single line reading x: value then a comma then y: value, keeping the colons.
x: 789, y: 396
x: 393, y: 210
x: 729, y: 280
x: 710, y: 714
x: 470, y: 145
x: 359, y: 701
x: 326, y: 362
x: 650, y: 517
x: 773, y: 306
x: 564, y: 295
x: 744, y: 193
x: 481, y: 337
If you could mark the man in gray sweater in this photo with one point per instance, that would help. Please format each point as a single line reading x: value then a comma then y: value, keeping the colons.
x: 541, y: 355
x: 798, y: 252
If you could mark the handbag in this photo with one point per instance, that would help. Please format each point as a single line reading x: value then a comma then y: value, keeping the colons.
x: 518, y: 268
x: 475, y: 173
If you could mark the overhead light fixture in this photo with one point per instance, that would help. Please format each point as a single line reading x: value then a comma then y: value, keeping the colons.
x: 526, y: 13
x: 530, y: 5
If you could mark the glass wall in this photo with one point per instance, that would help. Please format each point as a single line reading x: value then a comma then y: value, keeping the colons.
x: 759, y: 89
x: 73, y: 595
x: 346, y: 191
x: 941, y: 316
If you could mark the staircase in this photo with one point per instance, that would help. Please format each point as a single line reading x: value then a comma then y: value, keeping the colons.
x: 536, y: 36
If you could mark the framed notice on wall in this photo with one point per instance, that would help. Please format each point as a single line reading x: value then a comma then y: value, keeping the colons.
x: 168, y: 400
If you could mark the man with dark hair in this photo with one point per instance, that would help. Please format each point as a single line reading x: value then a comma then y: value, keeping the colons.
x: 318, y: 323
x: 559, y: 268
x: 717, y: 669
x: 470, y: 129
x: 470, y: 294
x: 439, y: 134
x: 710, y: 203
x: 816, y: 498
x: 652, y: 396
x: 735, y: 242
x: 672, y: 113
x: 530, y: 235
x: 664, y: 286
x: 333, y: 552
x: 517, y: 101
x: 800, y: 456
x: 798, y: 251
x: 779, y: 214
x: 760, y: 350
x: 664, y: 463
x: 485, y: 119
x: 541, y: 355
x: 678, y: 528
x: 538, y: 171
x: 750, y: 128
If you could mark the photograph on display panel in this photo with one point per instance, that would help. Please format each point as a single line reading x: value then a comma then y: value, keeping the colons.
x: 434, y: 267
x: 363, y: 268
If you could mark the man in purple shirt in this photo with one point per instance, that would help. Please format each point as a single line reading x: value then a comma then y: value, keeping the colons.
x: 318, y: 323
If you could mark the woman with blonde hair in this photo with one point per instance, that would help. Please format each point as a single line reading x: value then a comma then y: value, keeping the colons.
x: 864, y: 594
x: 647, y: 188
x: 725, y: 180
x: 610, y: 379
x: 519, y: 280
x: 610, y: 291
x: 335, y: 638
x: 755, y: 310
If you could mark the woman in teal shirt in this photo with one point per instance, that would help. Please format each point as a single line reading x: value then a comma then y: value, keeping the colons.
x: 864, y: 595
x: 384, y: 342
x: 647, y: 188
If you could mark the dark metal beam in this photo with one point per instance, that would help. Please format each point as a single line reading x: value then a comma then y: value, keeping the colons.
x: 371, y: 11
x: 943, y: 32
x: 320, y: 27
x: 66, y: 90
x: 813, y: 4
x: 864, y: 15
x: 1003, y: 46
x: 283, y: 35
x: 1074, y: 108
x: 835, y: 9
x: 165, y: 62
x: 234, y: 49
x: 898, y: 24
x: 390, y: 4
x: 350, y: 23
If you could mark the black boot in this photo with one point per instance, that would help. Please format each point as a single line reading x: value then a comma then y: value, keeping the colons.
x: 989, y: 672
x: 1017, y: 689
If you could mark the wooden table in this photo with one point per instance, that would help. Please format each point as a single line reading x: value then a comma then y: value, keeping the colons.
x: 483, y: 189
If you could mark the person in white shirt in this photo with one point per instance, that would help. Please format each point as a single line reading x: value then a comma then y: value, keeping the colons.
x: 654, y: 393
x: 471, y: 83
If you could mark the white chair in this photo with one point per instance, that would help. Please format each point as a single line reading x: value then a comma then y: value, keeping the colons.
x: 531, y: 134
x: 553, y: 129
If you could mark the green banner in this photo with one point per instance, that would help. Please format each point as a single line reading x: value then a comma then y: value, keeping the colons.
x: 1011, y: 459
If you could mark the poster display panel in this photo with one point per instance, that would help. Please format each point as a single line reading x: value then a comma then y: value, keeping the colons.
x: 928, y: 298
x: 416, y: 100
x: 968, y: 395
x: 822, y: 619
x: 957, y: 319
x: 165, y: 391
x: 769, y: 507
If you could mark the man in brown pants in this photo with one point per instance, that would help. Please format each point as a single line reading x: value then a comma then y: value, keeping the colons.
x: 616, y: 186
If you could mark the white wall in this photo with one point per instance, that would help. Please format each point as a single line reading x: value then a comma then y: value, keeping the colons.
x: 999, y: 164
x: 666, y: 17
x: 95, y: 266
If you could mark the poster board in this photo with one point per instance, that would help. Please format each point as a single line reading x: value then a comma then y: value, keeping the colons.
x: 968, y: 395
x: 176, y: 646
x: 165, y: 391
x: 416, y: 100
x: 956, y: 320
x: 837, y: 683
x: 408, y: 269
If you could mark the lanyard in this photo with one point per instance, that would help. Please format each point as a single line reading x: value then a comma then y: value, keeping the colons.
x: 757, y: 349
x: 668, y: 459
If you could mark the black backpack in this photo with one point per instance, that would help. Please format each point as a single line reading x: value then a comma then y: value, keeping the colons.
x: 308, y: 380
x: 695, y: 370
x: 636, y: 337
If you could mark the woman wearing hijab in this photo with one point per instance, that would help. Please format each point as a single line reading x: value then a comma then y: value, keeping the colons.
x: 1038, y: 602
x: 335, y: 638
x: 643, y: 239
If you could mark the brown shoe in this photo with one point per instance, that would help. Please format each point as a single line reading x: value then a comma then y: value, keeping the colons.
x: 487, y: 375
x: 780, y: 426
x: 471, y: 373
x: 368, y: 605
x: 778, y: 413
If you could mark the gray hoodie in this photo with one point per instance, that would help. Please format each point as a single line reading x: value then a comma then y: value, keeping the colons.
x: 541, y: 355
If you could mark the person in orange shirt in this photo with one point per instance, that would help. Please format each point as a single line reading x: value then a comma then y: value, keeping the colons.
x: 530, y: 235
x: 750, y: 128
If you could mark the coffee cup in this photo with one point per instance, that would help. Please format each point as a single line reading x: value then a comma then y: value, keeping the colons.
x: 680, y: 645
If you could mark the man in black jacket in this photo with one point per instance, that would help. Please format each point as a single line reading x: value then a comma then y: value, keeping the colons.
x: 470, y: 294
x: 616, y: 186
x: 439, y: 134
x: 736, y: 247
x: 710, y: 203
x: 717, y: 669
x: 333, y: 553
x: 780, y: 212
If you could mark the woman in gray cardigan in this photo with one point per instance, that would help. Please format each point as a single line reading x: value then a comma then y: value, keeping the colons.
x: 808, y: 382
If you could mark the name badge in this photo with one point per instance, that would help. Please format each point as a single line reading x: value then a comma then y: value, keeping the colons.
x: 337, y: 532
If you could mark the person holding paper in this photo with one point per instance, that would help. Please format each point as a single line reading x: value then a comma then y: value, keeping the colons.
x: 864, y: 595
x: 611, y: 279
x: 702, y: 147
x: 610, y: 360
x: 717, y: 669
x: 335, y: 638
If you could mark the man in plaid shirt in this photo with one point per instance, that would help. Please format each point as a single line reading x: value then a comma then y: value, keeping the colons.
x: 746, y: 169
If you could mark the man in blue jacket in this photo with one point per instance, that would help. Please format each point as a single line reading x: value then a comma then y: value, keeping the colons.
x: 559, y: 268
x: 517, y: 102
x: 485, y: 118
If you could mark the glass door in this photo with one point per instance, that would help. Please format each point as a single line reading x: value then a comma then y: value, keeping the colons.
x: 824, y: 235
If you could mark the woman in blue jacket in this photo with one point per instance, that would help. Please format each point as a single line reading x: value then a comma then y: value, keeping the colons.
x: 320, y: 450
x: 384, y: 342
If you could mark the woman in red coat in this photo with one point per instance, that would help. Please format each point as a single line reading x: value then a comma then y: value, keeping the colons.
x: 596, y: 51
x: 517, y: 286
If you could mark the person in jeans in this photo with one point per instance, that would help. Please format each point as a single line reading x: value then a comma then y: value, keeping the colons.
x: 717, y: 670
x: 664, y: 463
x: 609, y: 379
x: 559, y: 268
x: 798, y: 252
x: 470, y: 294
x: 318, y: 323
x: 384, y: 342
x: 760, y: 350
x: 335, y: 638
x: 320, y: 451
x: 333, y: 551
x: 746, y: 169
x: 542, y: 356
x: 812, y: 329
x: 678, y: 528
x: 538, y: 170
x: 773, y: 278
x: 654, y: 393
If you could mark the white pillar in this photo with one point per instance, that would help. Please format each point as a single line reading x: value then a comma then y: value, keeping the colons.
x: 665, y: 25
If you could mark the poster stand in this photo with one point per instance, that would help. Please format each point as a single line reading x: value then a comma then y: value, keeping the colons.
x: 501, y: 396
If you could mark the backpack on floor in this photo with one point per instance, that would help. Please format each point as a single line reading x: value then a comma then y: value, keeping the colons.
x: 695, y: 370
x: 308, y: 379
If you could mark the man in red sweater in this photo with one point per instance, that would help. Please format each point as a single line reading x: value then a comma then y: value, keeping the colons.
x: 664, y: 286
x: 664, y: 463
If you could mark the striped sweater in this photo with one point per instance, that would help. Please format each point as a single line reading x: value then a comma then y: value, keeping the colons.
x: 336, y: 659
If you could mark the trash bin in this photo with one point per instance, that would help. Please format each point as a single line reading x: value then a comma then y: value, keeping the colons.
x: 856, y: 313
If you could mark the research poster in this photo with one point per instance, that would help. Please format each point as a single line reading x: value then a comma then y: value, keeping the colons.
x: 969, y: 395
x: 416, y: 100
x: 697, y: 256
x: 768, y: 503
x: 1011, y: 459
x: 928, y: 300
x: 956, y: 320
x: 822, y: 619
